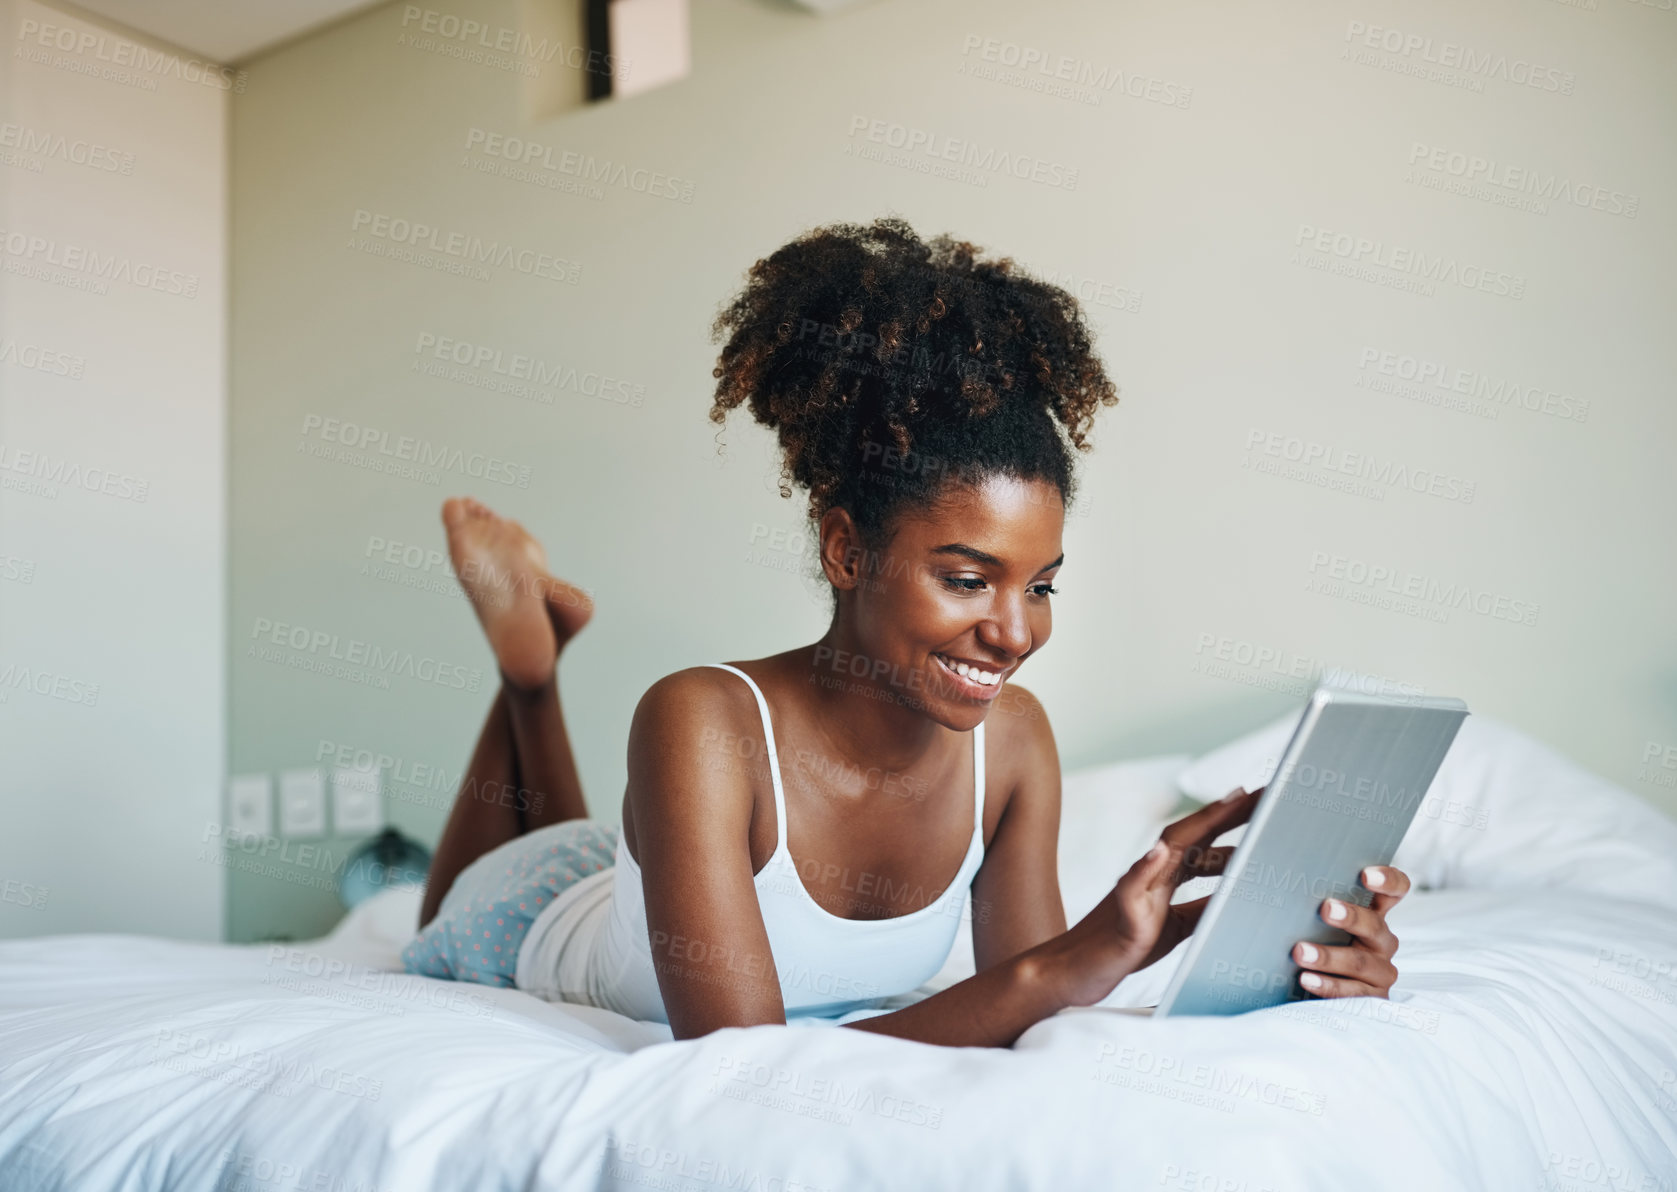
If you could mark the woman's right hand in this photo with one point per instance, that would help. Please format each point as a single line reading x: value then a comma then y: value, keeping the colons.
x: 1136, y: 924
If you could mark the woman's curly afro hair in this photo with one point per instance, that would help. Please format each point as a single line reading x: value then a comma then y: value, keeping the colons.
x: 891, y: 366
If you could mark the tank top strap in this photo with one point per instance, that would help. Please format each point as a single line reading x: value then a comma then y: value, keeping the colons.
x: 774, y: 758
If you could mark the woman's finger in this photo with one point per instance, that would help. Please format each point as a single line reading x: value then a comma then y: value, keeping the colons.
x: 1204, y: 862
x: 1211, y: 821
x: 1322, y: 986
x: 1358, y: 964
x: 1387, y: 884
x: 1362, y: 922
x: 1188, y: 913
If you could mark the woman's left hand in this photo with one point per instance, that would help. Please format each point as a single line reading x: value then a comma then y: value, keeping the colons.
x: 1362, y: 968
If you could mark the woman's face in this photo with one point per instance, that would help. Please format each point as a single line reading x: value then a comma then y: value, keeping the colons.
x: 951, y: 607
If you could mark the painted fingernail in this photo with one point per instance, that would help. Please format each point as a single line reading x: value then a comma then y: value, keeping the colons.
x: 1310, y: 981
x: 1158, y: 850
x: 1309, y: 953
x: 1374, y: 878
x: 1336, y: 909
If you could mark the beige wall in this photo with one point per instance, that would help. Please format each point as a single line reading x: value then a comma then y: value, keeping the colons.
x: 113, y: 206
x: 1260, y: 199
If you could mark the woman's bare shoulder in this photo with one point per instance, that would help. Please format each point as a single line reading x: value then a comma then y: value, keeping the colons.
x: 1017, y: 724
x: 691, y: 707
x: 690, y: 750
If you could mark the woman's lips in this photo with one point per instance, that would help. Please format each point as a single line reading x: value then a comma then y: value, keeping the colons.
x: 970, y: 687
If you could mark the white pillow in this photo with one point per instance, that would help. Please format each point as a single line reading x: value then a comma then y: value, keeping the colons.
x: 1109, y: 815
x: 374, y: 932
x: 1503, y: 811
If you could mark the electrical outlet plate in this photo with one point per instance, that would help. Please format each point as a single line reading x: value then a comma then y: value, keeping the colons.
x: 356, y: 806
x: 302, y: 802
x: 250, y: 805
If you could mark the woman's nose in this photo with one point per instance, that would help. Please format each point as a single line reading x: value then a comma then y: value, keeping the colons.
x: 1007, y: 630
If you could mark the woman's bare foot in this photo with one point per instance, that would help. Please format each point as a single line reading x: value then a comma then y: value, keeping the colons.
x: 526, y: 612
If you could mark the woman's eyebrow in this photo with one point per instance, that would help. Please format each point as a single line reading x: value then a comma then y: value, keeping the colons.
x: 979, y: 556
x: 967, y: 552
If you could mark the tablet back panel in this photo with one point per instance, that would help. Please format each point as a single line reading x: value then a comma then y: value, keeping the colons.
x: 1347, y: 786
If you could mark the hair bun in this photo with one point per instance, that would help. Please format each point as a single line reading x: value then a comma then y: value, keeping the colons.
x: 863, y: 346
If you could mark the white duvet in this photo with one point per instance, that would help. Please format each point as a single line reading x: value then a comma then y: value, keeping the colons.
x: 1531, y: 1043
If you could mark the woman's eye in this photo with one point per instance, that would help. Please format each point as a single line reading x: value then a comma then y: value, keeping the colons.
x: 964, y: 583
x: 1046, y: 590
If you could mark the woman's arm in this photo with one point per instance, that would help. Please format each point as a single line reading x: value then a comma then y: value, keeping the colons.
x: 691, y: 763
x: 1016, y: 901
x: 1123, y: 933
x: 1029, y: 967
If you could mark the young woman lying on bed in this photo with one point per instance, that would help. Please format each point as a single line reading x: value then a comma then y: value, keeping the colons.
x: 791, y: 823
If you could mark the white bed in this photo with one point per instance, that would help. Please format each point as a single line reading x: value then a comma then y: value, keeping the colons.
x: 1531, y: 1043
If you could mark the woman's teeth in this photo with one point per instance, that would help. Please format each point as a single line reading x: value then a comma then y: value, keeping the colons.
x: 984, y: 677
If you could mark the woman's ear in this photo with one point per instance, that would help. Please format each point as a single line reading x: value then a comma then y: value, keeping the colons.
x: 842, y: 553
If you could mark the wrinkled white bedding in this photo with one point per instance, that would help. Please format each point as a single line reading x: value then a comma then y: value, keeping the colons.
x: 1531, y: 1043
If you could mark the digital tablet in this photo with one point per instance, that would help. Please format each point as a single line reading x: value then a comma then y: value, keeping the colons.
x: 1345, y: 790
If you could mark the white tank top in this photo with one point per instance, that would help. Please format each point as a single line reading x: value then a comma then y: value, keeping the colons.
x: 591, y: 944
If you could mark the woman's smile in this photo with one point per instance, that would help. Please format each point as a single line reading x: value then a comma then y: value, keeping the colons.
x: 972, y: 679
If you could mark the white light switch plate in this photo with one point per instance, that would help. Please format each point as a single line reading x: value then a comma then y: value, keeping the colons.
x: 302, y: 798
x: 356, y: 806
x: 250, y: 805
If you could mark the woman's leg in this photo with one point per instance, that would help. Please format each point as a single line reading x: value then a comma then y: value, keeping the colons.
x: 477, y: 823
x: 522, y: 774
x: 550, y: 788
